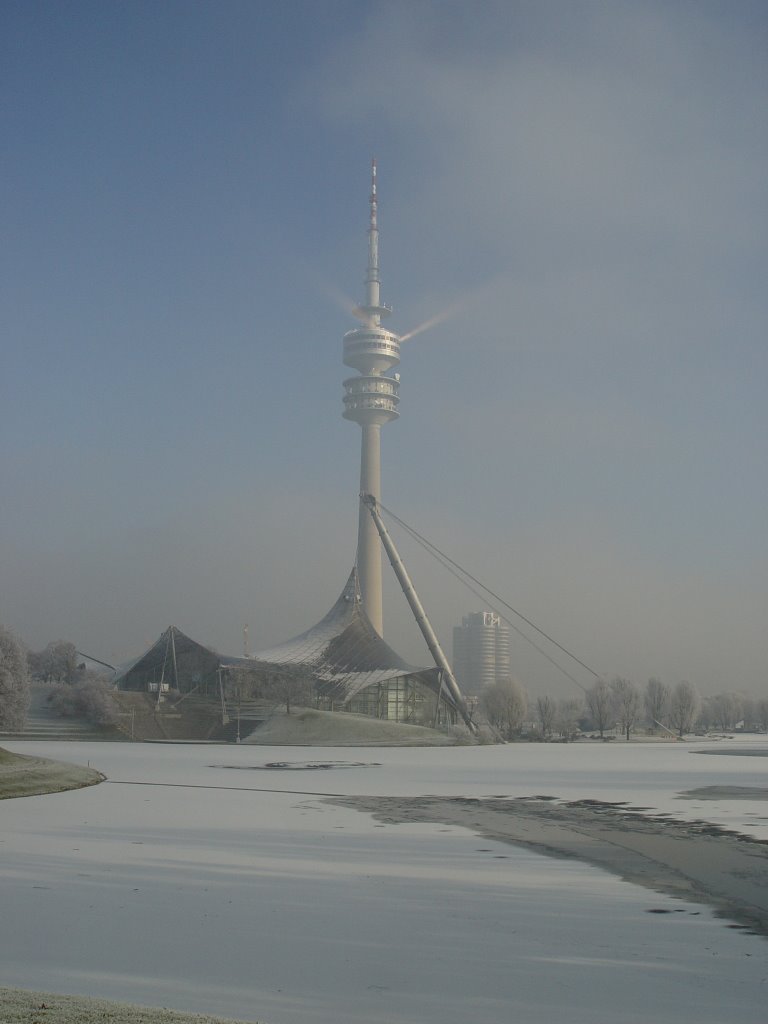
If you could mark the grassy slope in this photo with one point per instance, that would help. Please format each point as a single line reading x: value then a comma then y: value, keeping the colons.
x: 22, y: 1007
x: 21, y: 775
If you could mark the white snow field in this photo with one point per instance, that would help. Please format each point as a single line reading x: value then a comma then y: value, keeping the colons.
x: 199, y: 879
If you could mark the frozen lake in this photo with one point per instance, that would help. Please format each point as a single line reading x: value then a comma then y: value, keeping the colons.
x: 197, y: 878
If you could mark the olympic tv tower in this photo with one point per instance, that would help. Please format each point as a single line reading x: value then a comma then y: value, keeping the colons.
x: 371, y: 399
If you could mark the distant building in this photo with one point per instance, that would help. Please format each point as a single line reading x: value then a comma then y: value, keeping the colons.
x: 480, y: 651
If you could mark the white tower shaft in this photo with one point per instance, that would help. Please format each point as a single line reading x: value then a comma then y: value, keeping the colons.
x: 368, y: 544
x: 371, y: 400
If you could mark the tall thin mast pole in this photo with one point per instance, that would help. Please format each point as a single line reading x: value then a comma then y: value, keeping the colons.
x: 372, y: 280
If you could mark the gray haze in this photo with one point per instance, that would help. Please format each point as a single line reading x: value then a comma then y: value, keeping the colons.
x: 581, y: 183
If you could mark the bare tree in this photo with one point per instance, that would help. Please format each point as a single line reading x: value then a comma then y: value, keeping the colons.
x: 724, y: 710
x: 749, y: 716
x: 626, y: 700
x: 546, y: 711
x: 289, y: 684
x: 244, y: 682
x: 656, y: 700
x: 36, y: 665
x: 57, y: 662
x: 14, y: 682
x: 505, y: 705
x: 568, y: 715
x: 683, y: 708
x: 599, y: 700
x: 706, y: 714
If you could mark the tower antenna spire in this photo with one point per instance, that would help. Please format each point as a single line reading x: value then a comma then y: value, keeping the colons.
x: 372, y: 280
x: 373, y: 193
x: 373, y: 309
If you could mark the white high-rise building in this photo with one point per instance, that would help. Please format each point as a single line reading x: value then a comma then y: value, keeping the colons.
x: 480, y: 651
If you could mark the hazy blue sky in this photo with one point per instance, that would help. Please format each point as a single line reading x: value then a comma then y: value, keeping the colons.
x: 184, y: 198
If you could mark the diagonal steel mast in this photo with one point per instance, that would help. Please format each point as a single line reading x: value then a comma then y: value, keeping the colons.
x: 447, y: 677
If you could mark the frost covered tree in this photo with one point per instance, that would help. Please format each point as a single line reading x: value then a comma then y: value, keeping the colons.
x: 546, y: 712
x: 14, y: 682
x: 505, y: 705
x: 569, y: 711
x: 599, y: 699
x: 724, y: 710
x: 91, y: 698
x: 656, y: 700
x: 626, y: 703
x: 57, y: 662
x: 684, y: 706
x: 289, y: 685
x: 749, y: 714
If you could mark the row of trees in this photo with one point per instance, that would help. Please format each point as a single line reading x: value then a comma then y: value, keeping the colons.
x: 80, y: 691
x: 505, y: 706
x: 725, y: 711
x: 561, y: 718
x: 659, y: 708
x: 620, y: 704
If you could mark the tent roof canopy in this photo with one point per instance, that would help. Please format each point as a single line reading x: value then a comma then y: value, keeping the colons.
x: 343, y: 651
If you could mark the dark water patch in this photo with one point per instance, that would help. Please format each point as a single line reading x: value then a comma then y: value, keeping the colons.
x: 317, y: 765
x: 754, y: 752
x: 725, y: 793
x: 298, y: 766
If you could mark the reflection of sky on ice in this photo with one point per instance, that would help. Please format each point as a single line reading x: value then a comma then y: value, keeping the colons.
x: 276, y: 906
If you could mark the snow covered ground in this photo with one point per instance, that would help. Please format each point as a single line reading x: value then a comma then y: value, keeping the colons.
x: 200, y: 879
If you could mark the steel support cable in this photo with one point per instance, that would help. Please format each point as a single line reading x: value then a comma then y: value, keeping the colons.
x: 517, y: 629
x: 447, y: 560
x: 511, y: 624
x: 448, y: 564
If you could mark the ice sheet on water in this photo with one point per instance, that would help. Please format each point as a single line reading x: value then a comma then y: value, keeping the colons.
x: 186, y: 889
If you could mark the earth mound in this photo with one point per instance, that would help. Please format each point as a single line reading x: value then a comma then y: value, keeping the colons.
x: 308, y: 727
